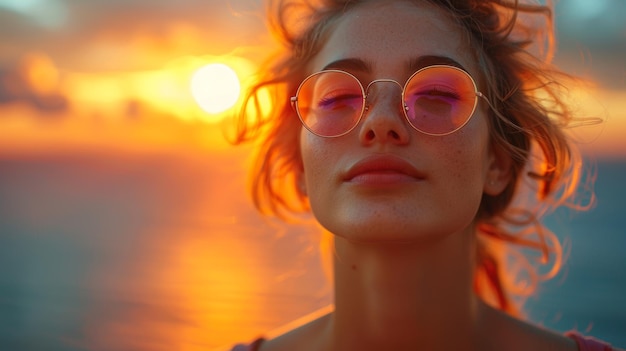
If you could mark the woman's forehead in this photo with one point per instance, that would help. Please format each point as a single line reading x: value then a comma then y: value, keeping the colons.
x: 392, y: 35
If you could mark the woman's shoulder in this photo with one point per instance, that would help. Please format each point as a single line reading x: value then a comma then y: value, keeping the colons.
x: 584, y: 343
x: 301, y: 334
x: 508, y: 332
x: 307, y: 333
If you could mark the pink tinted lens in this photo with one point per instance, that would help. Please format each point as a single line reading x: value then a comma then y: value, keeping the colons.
x: 439, y: 99
x: 330, y: 103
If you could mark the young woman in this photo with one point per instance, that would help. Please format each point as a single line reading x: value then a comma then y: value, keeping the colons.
x: 426, y: 138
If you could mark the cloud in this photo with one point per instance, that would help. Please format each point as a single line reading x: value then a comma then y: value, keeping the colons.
x: 46, y: 13
x: 35, y: 82
x: 114, y: 35
x: 94, y: 31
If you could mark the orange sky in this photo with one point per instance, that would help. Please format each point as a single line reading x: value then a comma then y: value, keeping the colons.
x: 153, y: 109
x: 117, y: 77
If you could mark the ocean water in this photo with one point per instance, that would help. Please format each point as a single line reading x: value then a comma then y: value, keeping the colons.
x: 589, y: 294
x: 163, y: 252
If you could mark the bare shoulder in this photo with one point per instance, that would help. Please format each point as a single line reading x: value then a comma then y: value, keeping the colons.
x: 303, y: 335
x: 509, y: 333
x: 501, y: 332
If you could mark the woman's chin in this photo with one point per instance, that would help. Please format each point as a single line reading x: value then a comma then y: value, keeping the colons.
x: 386, y: 235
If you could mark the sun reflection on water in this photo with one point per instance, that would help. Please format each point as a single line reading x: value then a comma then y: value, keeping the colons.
x: 148, y: 252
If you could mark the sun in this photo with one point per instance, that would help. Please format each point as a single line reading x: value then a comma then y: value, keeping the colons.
x: 215, y: 88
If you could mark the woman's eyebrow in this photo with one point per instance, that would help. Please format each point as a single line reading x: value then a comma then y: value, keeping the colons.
x: 359, y: 65
x: 429, y: 60
x: 350, y: 64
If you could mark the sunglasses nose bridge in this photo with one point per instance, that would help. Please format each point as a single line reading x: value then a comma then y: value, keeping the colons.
x: 384, y: 80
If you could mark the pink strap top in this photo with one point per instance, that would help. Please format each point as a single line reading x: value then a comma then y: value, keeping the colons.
x: 252, y: 347
x: 585, y: 343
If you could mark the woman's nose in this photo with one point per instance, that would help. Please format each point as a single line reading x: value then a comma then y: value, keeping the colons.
x: 383, y: 120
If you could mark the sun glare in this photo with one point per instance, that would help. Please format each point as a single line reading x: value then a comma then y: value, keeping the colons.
x: 215, y: 88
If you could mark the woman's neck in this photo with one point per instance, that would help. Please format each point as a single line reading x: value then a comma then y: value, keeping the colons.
x: 404, y: 296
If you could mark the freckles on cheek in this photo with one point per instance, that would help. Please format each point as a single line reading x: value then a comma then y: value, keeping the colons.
x: 306, y: 147
x: 314, y: 156
x: 465, y: 155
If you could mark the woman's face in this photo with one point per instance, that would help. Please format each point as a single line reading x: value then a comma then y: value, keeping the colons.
x: 385, y: 181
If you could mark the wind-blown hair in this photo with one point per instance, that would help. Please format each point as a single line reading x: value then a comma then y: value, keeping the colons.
x: 512, y: 44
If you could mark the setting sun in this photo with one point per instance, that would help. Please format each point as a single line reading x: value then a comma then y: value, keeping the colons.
x: 215, y: 87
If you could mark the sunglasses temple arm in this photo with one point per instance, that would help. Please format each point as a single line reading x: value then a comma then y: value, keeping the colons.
x: 481, y: 95
x: 500, y: 116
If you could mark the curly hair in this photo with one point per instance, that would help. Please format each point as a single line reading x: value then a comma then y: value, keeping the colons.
x: 513, y: 45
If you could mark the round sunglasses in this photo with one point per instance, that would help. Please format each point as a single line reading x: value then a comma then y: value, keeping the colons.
x: 436, y: 100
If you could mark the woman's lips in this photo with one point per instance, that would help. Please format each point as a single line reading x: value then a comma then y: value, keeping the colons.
x: 382, y: 169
